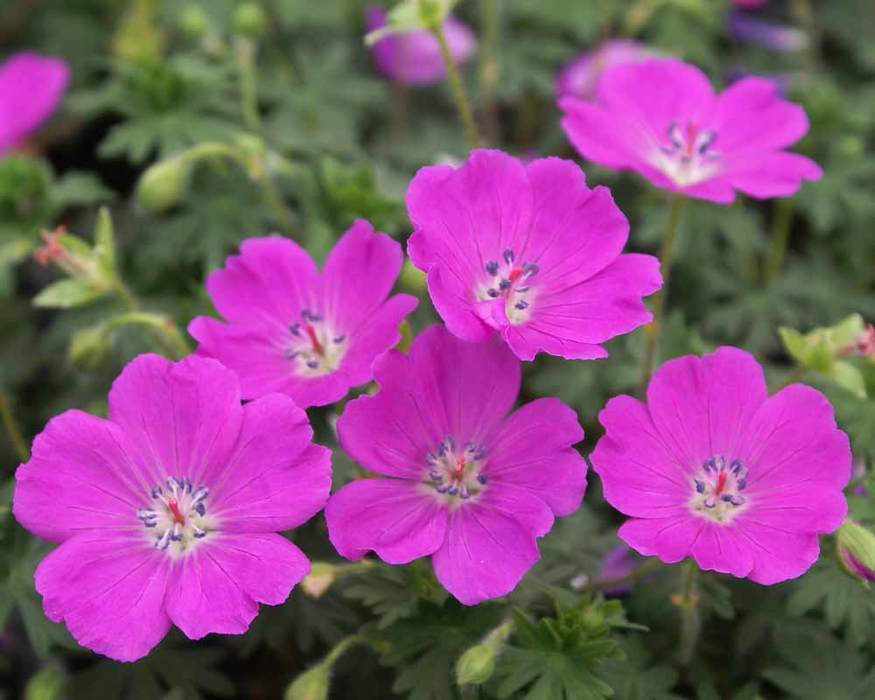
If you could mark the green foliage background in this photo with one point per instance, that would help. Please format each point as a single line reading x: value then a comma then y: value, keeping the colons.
x: 332, y: 141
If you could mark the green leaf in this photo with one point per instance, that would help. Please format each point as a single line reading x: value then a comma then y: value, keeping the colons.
x: 394, y: 592
x: 818, y: 667
x: 68, y: 293
x: 560, y: 658
x: 424, y: 650
x: 844, y: 603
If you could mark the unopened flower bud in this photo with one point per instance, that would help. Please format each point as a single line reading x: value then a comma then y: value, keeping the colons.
x: 412, y: 279
x: 856, y: 551
x: 476, y: 665
x: 310, y: 685
x: 249, y: 19
x: 193, y: 21
x: 163, y: 185
x: 864, y: 343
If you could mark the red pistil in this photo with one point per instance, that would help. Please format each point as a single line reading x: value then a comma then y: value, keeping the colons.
x: 461, y: 463
x: 515, y: 274
x: 721, y: 482
x: 314, y: 341
x: 178, y: 517
x: 690, y: 145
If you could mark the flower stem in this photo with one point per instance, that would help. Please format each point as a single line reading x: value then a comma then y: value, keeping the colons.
x: 244, y: 52
x: 463, y: 106
x: 10, y: 425
x: 690, y: 623
x: 666, y: 251
x: 341, y: 647
x: 489, y: 67
x: 780, y: 237
x: 166, y: 334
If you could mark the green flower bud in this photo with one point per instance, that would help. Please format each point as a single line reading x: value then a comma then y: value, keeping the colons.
x: 47, y: 684
x: 193, y: 21
x: 412, y: 279
x: 855, y: 546
x: 163, y: 185
x: 310, y: 685
x: 476, y: 665
x: 249, y: 19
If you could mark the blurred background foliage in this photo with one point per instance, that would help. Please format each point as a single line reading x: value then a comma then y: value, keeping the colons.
x: 269, y: 116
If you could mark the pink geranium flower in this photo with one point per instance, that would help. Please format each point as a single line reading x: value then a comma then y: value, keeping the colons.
x: 662, y: 119
x: 293, y: 330
x: 529, y: 251
x: 414, y: 57
x: 466, y: 483
x: 714, y: 469
x: 167, y: 512
x: 580, y: 76
x: 31, y: 86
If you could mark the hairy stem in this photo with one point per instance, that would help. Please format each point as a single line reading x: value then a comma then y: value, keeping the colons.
x: 780, y: 237
x: 690, y: 621
x: 460, y: 97
x: 666, y: 251
x: 489, y: 67
x: 10, y: 425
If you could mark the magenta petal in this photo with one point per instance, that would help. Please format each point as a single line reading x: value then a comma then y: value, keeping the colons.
x: 252, y: 351
x: 778, y: 555
x: 485, y: 555
x: 517, y: 502
x: 275, y: 479
x: 379, y: 331
x: 600, y: 308
x: 265, y: 566
x: 444, y: 387
x: 397, y: 519
x: 359, y: 273
x: 703, y: 406
x: 183, y: 417
x: 669, y: 538
x: 31, y: 87
x: 452, y: 301
x: 777, y: 174
x: 533, y: 452
x: 204, y: 597
x: 271, y: 280
x: 580, y: 231
x: 80, y: 477
x: 794, y: 440
x: 657, y: 92
x: 377, y: 431
x: 723, y: 549
x: 751, y: 115
x: 116, y: 606
x: 593, y: 131
x: 639, y: 475
x: 799, y: 462
x: 675, y: 537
